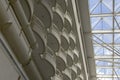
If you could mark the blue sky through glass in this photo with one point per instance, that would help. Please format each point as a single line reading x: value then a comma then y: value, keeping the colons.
x: 105, y: 25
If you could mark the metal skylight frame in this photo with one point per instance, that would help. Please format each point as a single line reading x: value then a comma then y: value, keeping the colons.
x: 105, y: 20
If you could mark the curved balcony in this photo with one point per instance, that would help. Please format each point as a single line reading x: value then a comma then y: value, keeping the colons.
x: 66, y: 74
x: 46, y: 69
x: 69, y: 60
x: 67, y: 22
x: 76, y: 58
x: 76, y: 52
x: 44, y: 13
x: 41, y: 43
x: 67, y: 25
x: 72, y: 43
x: 53, y: 38
x: 61, y: 60
x: 53, y: 42
x: 69, y: 8
x: 60, y: 63
x: 65, y: 77
x: 40, y: 33
x: 78, y: 70
x: 73, y: 74
x: 63, y: 4
x: 74, y: 68
x: 64, y: 41
x: 58, y: 18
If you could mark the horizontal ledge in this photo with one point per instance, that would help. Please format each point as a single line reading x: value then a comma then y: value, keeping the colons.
x: 107, y: 76
x: 109, y: 61
x: 105, y: 31
x: 104, y: 15
x: 108, y: 67
x: 107, y: 57
x: 110, y: 44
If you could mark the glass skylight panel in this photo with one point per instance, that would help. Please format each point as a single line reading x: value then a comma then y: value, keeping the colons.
x: 117, y: 38
x: 101, y: 51
x: 102, y: 23
x: 100, y: 6
x: 104, y: 71
x: 117, y: 6
x: 103, y: 63
x: 105, y: 25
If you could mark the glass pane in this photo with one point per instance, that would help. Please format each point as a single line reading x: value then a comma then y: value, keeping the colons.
x: 102, y: 23
x: 106, y: 39
x: 103, y: 63
x: 104, y: 71
x: 98, y: 51
x: 117, y: 6
x: 117, y: 38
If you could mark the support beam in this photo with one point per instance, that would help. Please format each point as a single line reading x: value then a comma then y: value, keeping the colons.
x: 108, y: 67
x: 109, y: 61
x: 106, y: 76
x: 107, y: 57
x: 110, y: 44
x: 104, y: 15
x: 105, y: 31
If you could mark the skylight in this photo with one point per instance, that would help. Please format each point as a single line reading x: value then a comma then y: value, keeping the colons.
x: 105, y: 25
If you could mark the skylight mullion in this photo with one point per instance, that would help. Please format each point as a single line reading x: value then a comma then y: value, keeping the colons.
x: 107, y: 76
x: 117, y: 23
x: 98, y: 45
x: 113, y: 38
x: 116, y: 67
x: 116, y: 74
x: 104, y: 15
x: 108, y: 47
x: 106, y: 57
x: 105, y: 31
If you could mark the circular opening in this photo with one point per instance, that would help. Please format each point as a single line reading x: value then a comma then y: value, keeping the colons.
x: 69, y: 60
x: 52, y: 42
x: 64, y: 43
x: 58, y: 21
x: 60, y: 63
x: 44, y: 14
x: 72, y: 43
x: 67, y: 25
x: 41, y: 43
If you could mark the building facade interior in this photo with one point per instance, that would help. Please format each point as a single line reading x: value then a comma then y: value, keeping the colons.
x: 59, y: 40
